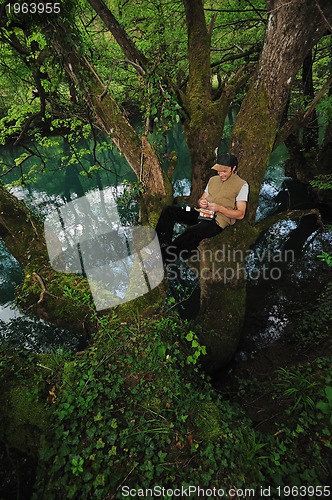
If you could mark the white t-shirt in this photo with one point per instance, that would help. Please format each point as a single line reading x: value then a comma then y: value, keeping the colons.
x: 243, y: 193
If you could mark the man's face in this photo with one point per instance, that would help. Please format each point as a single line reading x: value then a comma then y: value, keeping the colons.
x: 225, y: 173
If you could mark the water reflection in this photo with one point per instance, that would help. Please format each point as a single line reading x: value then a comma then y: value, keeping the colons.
x: 17, y: 329
x: 8, y: 312
x: 273, y: 304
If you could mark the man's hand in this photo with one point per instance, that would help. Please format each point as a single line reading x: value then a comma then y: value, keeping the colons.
x: 213, y: 206
x: 238, y: 213
x: 202, y: 202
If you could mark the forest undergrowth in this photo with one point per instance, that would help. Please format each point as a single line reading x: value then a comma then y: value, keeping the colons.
x: 135, y: 412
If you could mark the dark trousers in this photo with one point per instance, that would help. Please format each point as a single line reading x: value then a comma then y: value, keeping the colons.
x: 189, y: 240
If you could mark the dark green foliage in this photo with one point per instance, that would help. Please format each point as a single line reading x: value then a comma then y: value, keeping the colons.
x: 315, y: 323
x: 135, y: 409
x: 23, y: 415
x: 326, y: 407
x: 306, y: 431
x: 322, y: 182
x: 287, y: 406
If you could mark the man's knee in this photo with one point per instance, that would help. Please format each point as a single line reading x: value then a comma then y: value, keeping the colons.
x: 167, y: 211
x: 172, y: 213
x: 164, y: 216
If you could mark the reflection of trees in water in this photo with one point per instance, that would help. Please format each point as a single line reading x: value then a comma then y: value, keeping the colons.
x: 274, y: 305
x: 11, y: 274
x: 36, y: 335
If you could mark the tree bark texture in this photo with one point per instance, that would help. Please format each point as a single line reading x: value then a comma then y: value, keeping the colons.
x: 21, y: 231
x: 293, y: 29
x: 202, y: 121
x: 223, y: 292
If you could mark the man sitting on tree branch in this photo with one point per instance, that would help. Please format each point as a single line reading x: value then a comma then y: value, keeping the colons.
x: 223, y: 202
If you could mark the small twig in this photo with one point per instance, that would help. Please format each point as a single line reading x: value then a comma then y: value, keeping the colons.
x: 127, y: 61
x: 18, y: 165
x: 137, y: 463
x: 46, y: 367
x: 323, y: 16
x: 36, y: 277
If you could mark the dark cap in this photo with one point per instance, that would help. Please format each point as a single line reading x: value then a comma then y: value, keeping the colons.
x: 226, y: 159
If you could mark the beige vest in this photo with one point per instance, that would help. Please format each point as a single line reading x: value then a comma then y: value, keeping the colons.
x: 224, y: 193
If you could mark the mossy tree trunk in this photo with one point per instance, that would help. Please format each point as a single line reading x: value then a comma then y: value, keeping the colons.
x: 293, y: 28
x: 205, y: 118
x: 223, y: 292
x: 130, y: 50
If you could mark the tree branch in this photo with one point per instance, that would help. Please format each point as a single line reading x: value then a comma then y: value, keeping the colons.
x: 40, y: 113
x: 244, y: 55
x: 290, y: 214
x: 301, y: 118
x: 324, y: 17
x: 128, y: 47
x: 236, y: 82
x: 134, y: 56
x: 117, y: 61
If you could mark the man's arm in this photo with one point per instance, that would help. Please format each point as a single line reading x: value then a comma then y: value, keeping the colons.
x: 237, y: 214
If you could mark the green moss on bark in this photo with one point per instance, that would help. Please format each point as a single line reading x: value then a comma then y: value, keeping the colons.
x: 223, y: 292
x: 23, y: 417
x: 63, y: 299
x: 252, y: 141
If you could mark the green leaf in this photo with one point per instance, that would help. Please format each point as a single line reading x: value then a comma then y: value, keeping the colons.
x: 324, y: 407
x: 98, y: 417
x: 114, y: 423
x: 328, y: 392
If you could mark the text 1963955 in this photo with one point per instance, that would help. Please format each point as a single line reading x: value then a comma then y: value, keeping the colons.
x: 34, y: 8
